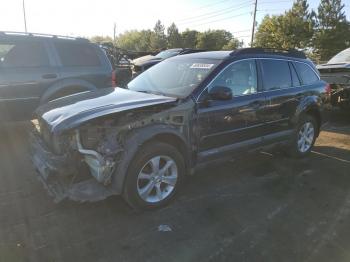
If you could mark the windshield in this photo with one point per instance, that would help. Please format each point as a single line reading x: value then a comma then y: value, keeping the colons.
x: 342, y: 57
x: 174, y: 77
x: 168, y: 53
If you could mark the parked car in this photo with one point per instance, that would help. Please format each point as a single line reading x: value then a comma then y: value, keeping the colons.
x: 179, y: 115
x: 337, y: 73
x: 36, y: 68
x: 141, y: 64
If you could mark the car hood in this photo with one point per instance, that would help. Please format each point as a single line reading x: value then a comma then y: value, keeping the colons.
x: 331, y: 66
x: 145, y: 59
x: 71, y: 111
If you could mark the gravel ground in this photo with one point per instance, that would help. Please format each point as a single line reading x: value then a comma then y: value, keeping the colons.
x: 262, y: 207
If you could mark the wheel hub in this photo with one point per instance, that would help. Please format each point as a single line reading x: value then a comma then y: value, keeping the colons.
x: 157, y: 179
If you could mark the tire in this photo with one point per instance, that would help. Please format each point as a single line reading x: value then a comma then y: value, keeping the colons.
x: 145, y: 188
x: 304, y: 137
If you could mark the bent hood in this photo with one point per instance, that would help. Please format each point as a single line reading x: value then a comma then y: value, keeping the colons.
x: 69, y: 112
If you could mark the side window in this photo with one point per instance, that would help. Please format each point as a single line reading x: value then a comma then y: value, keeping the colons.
x: 295, y: 78
x: 241, y: 77
x: 23, y: 54
x: 276, y: 74
x: 307, y: 75
x: 77, y: 54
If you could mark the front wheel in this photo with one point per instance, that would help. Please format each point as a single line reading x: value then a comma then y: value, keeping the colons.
x: 154, y: 176
x: 304, y: 136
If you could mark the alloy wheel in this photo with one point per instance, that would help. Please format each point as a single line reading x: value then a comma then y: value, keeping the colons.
x: 157, y: 179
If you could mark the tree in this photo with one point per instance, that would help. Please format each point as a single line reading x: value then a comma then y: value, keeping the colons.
x: 293, y: 29
x: 233, y: 44
x: 173, y: 37
x: 332, y: 29
x: 189, y: 38
x: 101, y: 39
x: 215, y: 39
x: 158, y: 39
x: 135, y: 40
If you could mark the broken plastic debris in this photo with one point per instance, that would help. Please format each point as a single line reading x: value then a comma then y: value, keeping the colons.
x: 164, y: 228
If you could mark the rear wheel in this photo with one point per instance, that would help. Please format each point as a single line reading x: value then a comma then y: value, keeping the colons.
x: 304, y: 136
x: 154, y: 176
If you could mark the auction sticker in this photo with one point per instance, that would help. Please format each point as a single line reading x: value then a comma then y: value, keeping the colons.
x: 202, y: 66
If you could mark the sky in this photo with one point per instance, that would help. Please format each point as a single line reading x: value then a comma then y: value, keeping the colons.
x: 88, y: 18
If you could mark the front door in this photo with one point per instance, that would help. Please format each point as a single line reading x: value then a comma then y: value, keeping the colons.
x: 231, y: 124
x: 25, y: 73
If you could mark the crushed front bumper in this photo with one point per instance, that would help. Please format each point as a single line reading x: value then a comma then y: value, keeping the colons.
x: 58, y: 174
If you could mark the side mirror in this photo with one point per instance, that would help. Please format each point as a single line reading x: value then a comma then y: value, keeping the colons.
x: 220, y: 93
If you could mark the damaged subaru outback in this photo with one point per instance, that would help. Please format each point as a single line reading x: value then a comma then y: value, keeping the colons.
x: 179, y: 115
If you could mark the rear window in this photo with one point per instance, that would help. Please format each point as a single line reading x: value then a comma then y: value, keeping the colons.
x: 307, y: 75
x: 73, y: 54
x: 276, y: 74
x: 23, y: 54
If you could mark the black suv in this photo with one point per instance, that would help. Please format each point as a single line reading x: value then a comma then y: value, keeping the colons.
x: 36, y: 68
x: 179, y: 115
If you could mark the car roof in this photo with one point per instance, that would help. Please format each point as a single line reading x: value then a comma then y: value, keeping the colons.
x: 7, y: 35
x: 219, y: 55
x: 248, y: 53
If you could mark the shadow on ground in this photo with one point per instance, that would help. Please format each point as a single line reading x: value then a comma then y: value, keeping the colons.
x: 263, y: 207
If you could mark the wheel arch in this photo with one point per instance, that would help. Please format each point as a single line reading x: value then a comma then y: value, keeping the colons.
x: 66, y: 85
x: 309, y: 106
x: 138, y: 138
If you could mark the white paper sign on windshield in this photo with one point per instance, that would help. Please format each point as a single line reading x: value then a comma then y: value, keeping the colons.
x: 201, y: 66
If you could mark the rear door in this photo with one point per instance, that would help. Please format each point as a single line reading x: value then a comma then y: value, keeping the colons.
x: 281, y: 87
x: 25, y: 72
x: 83, y: 61
x: 228, y: 125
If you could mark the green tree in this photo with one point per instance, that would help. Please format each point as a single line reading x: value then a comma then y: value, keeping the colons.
x: 293, y: 29
x: 332, y: 29
x: 158, y: 39
x: 215, y: 40
x: 101, y: 39
x: 174, y: 37
x: 189, y: 38
x: 135, y: 40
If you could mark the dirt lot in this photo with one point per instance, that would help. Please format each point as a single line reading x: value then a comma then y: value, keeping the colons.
x: 265, y: 207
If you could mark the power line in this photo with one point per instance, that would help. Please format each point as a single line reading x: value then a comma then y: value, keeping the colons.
x: 215, y: 12
x: 241, y: 31
x: 226, y: 11
x: 218, y: 20
x: 277, y: 2
x: 208, y: 5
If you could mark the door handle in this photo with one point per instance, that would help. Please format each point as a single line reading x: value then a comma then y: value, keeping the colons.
x: 49, y: 76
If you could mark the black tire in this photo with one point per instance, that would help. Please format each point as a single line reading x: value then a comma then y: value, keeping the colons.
x: 139, y: 163
x: 294, y: 149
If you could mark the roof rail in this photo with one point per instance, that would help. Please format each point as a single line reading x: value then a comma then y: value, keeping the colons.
x: 12, y: 33
x: 260, y: 50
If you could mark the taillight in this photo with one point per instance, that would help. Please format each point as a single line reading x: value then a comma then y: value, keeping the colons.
x: 114, y: 79
x: 328, y: 89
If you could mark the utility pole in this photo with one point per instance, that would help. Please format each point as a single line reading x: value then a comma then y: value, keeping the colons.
x: 24, y: 16
x: 114, y: 32
x: 254, y: 22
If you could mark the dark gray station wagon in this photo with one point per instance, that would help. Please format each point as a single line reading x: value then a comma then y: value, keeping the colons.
x: 36, y: 68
